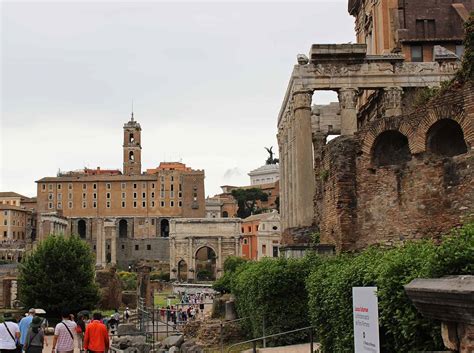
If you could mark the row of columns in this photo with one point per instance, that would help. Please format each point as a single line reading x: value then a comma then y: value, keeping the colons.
x: 106, y: 230
x: 298, y: 159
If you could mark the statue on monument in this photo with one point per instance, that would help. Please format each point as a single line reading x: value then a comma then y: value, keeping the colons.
x: 270, y: 159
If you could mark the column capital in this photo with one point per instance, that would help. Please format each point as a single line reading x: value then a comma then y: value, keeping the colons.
x: 302, y: 99
x: 348, y: 97
x: 392, y: 97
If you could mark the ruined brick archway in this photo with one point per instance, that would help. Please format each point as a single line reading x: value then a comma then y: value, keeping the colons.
x: 81, y: 228
x: 390, y: 148
x: 446, y: 138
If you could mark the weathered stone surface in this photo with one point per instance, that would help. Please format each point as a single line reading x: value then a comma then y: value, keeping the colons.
x: 110, y: 288
x: 230, y: 312
x: 173, y: 341
x: 126, y: 329
x: 174, y: 349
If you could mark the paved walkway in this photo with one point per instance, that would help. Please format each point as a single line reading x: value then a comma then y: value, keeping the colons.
x: 297, y: 348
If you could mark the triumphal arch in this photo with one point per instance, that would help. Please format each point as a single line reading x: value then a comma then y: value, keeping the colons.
x: 397, y: 170
x: 199, y: 247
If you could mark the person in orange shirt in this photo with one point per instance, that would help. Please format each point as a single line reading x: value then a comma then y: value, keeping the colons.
x: 96, y: 339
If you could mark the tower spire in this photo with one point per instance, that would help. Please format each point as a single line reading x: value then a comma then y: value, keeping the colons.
x: 132, y: 111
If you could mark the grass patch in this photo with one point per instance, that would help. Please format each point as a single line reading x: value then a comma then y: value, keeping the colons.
x: 161, y: 299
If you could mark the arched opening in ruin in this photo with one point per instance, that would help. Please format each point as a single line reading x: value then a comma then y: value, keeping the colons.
x: 131, y: 156
x: 206, y: 264
x: 165, y: 228
x: 182, y: 271
x: 225, y: 214
x: 81, y: 228
x: 390, y: 148
x: 446, y: 138
x: 123, y: 228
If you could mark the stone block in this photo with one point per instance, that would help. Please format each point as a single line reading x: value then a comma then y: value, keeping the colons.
x: 173, y: 341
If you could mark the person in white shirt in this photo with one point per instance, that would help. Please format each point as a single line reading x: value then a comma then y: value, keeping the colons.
x: 9, y: 336
x: 64, y: 333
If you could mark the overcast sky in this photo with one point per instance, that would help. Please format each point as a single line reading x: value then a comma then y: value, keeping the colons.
x: 207, y: 81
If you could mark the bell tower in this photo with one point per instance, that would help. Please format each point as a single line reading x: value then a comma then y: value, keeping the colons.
x: 132, y: 149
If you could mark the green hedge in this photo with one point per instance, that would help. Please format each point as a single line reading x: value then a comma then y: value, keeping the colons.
x: 402, y: 328
x: 272, y: 290
x: 223, y: 284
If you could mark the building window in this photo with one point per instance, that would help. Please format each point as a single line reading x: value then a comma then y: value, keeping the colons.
x: 4, y: 233
x: 94, y: 196
x: 152, y: 185
x: 256, y: 228
x: 108, y: 204
x: 94, y: 204
x: 250, y: 229
x: 94, y: 186
x: 172, y: 203
x: 50, y: 196
x: 50, y: 186
x: 275, y: 251
x: 416, y: 53
x: 60, y: 205
x: 123, y: 247
x: 59, y: 186
x: 172, y: 178
x: 162, y: 194
x: 84, y: 186
x: 5, y: 222
x: 162, y: 204
x: 137, y: 247
x: 123, y: 186
x: 153, y: 204
x: 134, y: 204
x: 108, y: 195
x: 162, y: 179
x: 143, y: 195
x: 84, y: 204
x: 69, y: 196
x: 143, y: 185
x: 50, y: 205
x: 134, y: 195
x: 148, y: 247
x: 14, y: 222
x: 134, y: 186
x: 123, y: 204
x: 43, y: 187
x: 152, y: 195
x: 69, y: 186
x: 108, y: 186
x: 172, y: 194
x: 83, y: 195
x: 124, y: 195
x: 5, y: 213
x: 152, y: 221
x: 69, y: 204
x: 180, y: 203
x: 460, y: 51
x: 143, y: 204
x: 246, y: 241
x: 264, y: 249
x: 180, y: 194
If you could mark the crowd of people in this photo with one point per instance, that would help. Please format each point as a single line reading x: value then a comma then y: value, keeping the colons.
x: 91, y: 334
x: 191, y: 306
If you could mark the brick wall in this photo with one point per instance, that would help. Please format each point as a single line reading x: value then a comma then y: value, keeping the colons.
x: 362, y: 204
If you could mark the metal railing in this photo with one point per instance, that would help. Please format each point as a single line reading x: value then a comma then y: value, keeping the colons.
x: 264, y: 338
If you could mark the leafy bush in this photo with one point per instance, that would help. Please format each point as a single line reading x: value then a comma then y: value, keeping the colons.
x: 59, y: 274
x: 129, y: 280
x: 204, y: 275
x: 272, y: 290
x: 160, y: 276
x: 223, y: 284
x: 402, y: 328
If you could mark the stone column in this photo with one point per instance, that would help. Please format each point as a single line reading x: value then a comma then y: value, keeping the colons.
x: 98, y: 246
x: 113, y: 245
x: 304, y: 183
x: 219, y: 251
x: 348, y: 104
x: 291, y: 174
x: 9, y: 228
x: 392, y: 101
x: 319, y: 141
x: 191, y: 275
x: 237, y: 252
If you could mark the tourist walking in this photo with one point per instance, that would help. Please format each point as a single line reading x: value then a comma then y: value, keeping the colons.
x: 24, y: 325
x: 80, y: 330
x: 34, y: 341
x: 126, y: 315
x: 63, y: 341
x: 96, y: 339
x: 9, y: 336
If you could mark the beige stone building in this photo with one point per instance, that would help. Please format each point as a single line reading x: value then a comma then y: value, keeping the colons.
x: 125, y: 216
x: 199, y: 247
x: 366, y: 186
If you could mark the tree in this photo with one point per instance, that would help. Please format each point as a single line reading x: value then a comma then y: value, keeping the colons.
x: 247, y: 201
x: 59, y: 274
